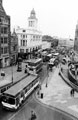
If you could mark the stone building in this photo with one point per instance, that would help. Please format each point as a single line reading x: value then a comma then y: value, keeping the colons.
x: 30, y: 39
x: 4, y: 37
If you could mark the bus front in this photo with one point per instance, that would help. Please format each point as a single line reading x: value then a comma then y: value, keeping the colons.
x: 9, y: 102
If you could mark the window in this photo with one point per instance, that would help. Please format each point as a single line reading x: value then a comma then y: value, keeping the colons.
x: 23, y: 42
x: 2, y: 31
x: 26, y: 50
x: 5, y: 30
x: 14, y: 48
x: 1, y: 40
x: 0, y: 20
x: 26, y: 42
x: 5, y: 40
x: 1, y: 50
x: 22, y: 50
x: 11, y: 101
x: 5, y: 50
x: 23, y: 36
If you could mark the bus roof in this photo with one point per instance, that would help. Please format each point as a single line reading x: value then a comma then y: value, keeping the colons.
x: 49, y: 55
x: 56, y: 54
x: 34, y: 60
x: 15, y: 89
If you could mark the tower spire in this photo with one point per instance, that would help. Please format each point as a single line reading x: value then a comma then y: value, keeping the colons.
x: 32, y: 20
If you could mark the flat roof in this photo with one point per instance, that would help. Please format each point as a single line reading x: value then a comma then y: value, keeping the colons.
x: 34, y: 60
x: 15, y: 89
x: 49, y: 55
x: 56, y: 54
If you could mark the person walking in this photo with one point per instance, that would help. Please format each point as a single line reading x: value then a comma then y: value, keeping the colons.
x: 72, y: 92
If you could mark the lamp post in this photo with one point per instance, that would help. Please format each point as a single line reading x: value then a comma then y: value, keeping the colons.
x: 47, y: 75
x: 12, y: 67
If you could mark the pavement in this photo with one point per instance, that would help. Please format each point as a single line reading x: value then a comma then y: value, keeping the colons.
x: 17, y: 76
x: 57, y: 93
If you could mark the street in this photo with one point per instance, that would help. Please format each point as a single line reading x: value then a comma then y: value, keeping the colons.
x: 42, y: 111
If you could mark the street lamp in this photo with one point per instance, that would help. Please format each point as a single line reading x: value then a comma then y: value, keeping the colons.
x: 12, y: 67
x: 47, y: 75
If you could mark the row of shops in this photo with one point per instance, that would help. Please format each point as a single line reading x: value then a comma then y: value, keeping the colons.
x: 6, y: 61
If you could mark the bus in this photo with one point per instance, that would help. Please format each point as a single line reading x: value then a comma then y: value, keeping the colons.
x: 51, y: 63
x: 16, y: 95
x: 55, y: 55
x: 34, y: 66
x: 48, y: 57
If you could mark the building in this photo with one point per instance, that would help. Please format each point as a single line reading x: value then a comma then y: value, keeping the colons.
x: 14, y: 47
x: 4, y: 37
x: 46, y: 45
x: 30, y: 39
x: 66, y: 42
x: 76, y: 39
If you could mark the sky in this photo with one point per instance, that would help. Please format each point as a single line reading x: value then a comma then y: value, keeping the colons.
x: 55, y: 17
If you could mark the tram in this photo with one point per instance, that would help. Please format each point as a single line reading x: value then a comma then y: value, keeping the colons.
x: 16, y: 95
x: 34, y: 66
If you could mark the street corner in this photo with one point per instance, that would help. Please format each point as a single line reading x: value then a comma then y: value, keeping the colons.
x: 44, y: 94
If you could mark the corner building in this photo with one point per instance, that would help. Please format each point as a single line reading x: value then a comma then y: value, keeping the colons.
x: 30, y: 39
x: 4, y: 37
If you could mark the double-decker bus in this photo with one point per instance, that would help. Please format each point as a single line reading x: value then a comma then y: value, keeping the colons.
x: 16, y: 95
x: 34, y: 66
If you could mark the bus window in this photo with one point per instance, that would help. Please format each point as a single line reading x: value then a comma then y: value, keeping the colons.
x: 22, y: 94
x: 4, y: 98
x: 28, y: 87
x: 8, y: 100
x: 11, y: 101
x: 17, y: 101
x: 25, y: 90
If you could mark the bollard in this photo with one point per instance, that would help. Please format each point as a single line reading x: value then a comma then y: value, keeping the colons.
x: 41, y: 95
x: 46, y: 85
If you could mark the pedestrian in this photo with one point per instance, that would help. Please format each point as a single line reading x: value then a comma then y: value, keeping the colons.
x: 33, y: 115
x: 72, y: 92
x: 46, y: 84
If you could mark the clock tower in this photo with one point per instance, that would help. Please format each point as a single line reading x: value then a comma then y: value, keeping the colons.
x: 32, y: 20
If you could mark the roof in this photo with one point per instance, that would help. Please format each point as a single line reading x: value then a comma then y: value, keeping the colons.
x: 2, y: 11
x: 15, y: 89
x: 56, y: 54
x: 34, y: 60
x: 33, y: 11
x: 49, y: 55
x: 32, y: 14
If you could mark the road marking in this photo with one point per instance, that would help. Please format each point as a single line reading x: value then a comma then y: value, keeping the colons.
x: 61, y: 101
x: 74, y: 108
